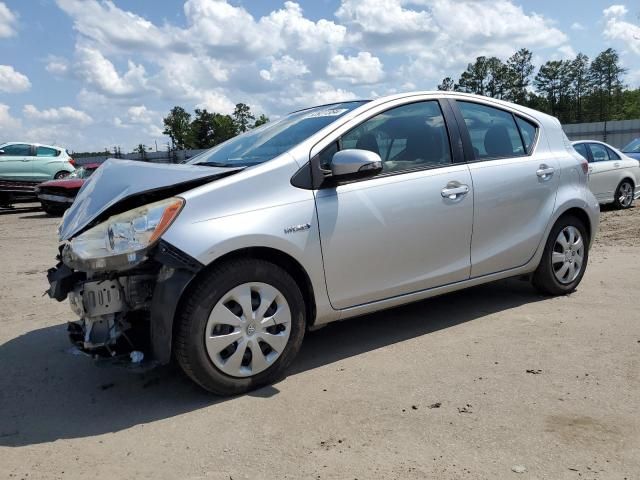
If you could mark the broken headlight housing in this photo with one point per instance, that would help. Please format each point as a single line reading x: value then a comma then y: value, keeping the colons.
x: 123, y: 240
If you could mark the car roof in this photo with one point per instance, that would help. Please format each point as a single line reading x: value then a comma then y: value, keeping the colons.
x: 592, y: 141
x: 57, y: 147
x: 539, y: 116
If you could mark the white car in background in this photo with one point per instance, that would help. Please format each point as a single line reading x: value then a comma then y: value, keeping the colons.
x: 34, y: 162
x: 613, y: 176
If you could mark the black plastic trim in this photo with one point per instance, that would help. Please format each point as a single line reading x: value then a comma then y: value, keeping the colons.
x: 178, y: 272
x: 173, y: 257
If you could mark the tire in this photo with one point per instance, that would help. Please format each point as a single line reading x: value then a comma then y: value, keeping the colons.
x: 547, y: 278
x: 221, y: 373
x: 624, y: 195
x: 61, y: 174
x: 51, y: 210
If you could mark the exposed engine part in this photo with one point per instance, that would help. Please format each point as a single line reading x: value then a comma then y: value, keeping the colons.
x: 105, y: 308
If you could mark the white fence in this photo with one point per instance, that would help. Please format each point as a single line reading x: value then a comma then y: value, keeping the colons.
x: 617, y: 133
x: 156, y: 157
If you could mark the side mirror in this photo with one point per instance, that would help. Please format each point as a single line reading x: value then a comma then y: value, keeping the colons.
x: 351, y: 164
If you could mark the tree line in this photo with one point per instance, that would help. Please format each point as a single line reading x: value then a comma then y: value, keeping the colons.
x: 206, y: 129
x: 575, y: 90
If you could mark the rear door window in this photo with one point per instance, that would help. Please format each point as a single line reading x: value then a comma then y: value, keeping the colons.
x: 598, y: 152
x: 493, y: 132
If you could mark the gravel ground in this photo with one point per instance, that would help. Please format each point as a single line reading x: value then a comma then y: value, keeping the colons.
x: 493, y: 382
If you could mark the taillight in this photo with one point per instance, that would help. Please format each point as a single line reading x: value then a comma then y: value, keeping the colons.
x: 585, y: 167
x: 72, y: 162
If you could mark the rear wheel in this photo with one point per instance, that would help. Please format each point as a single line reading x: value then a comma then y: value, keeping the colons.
x: 564, y: 259
x: 240, y: 327
x: 624, y: 195
x: 61, y: 174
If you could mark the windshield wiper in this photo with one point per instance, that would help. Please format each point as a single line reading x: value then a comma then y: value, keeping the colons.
x: 218, y: 164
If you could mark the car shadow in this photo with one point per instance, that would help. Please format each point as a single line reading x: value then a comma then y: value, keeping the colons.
x: 47, y: 393
x: 17, y: 210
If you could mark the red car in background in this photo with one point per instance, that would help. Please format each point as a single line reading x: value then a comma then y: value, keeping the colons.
x: 58, y: 195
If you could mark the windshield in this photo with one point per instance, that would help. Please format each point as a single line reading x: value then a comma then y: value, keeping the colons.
x: 633, y: 147
x: 81, y: 173
x: 274, y: 138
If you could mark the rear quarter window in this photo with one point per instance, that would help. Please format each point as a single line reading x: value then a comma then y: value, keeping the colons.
x: 47, y: 152
x: 581, y: 149
x: 528, y: 132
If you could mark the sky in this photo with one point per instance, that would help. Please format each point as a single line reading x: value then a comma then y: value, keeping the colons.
x: 91, y: 74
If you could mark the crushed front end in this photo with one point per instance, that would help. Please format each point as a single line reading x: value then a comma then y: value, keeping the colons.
x: 124, y: 283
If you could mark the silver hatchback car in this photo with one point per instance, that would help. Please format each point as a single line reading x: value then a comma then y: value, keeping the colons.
x: 328, y: 213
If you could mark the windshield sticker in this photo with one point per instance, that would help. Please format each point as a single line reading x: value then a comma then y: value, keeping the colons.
x: 332, y: 112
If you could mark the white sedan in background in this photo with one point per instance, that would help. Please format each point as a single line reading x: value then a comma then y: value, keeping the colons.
x: 613, y: 176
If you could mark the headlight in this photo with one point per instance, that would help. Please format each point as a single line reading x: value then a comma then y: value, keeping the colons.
x: 122, y: 240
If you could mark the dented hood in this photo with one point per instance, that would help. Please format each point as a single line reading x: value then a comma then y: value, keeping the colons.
x: 119, y: 180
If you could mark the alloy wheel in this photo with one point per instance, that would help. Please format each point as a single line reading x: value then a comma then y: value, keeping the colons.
x: 248, y: 329
x: 625, y: 194
x: 568, y: 255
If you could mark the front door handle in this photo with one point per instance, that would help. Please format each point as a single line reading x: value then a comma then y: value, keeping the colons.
x: 452, y: 192
x: 545, y: 172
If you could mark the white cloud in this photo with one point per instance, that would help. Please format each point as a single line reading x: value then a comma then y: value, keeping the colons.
x: 361, y: 69
x: 12, y: 81
x: 56, y: 65
x: 567, y: 52
x: 141, y: 114
x: 615, y: 11
x: 8, y: 123
x: 99, y: 72
x: 8, y: 21
x: 140, y: 119
x: 385, y: 18
x: 220, y: 53
x: 216, y: 101
x: 284, y: 68
x: 62, y: 115
x: 320, y: 93
x: 577, y: 26
x: 617, y: 28
x: 113, y: 28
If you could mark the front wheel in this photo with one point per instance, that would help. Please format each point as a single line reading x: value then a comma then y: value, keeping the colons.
x: 52, y: 210
x: 240, y: 327
x: 564, y: 259
x: 624, y: 195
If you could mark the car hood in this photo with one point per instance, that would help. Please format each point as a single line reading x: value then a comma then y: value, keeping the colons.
x: 117, y: 181
x: 64, y: 183
x: 634, y: 155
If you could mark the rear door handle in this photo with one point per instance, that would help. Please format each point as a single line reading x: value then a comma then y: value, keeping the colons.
x: 617, y: 164
x: 453, y: 192
x: 545, y: 172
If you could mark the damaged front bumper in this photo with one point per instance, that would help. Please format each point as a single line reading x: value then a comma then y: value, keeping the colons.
x: 120, y: 312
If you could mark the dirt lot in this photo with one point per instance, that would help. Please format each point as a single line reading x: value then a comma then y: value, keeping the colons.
x: 479, y: 384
